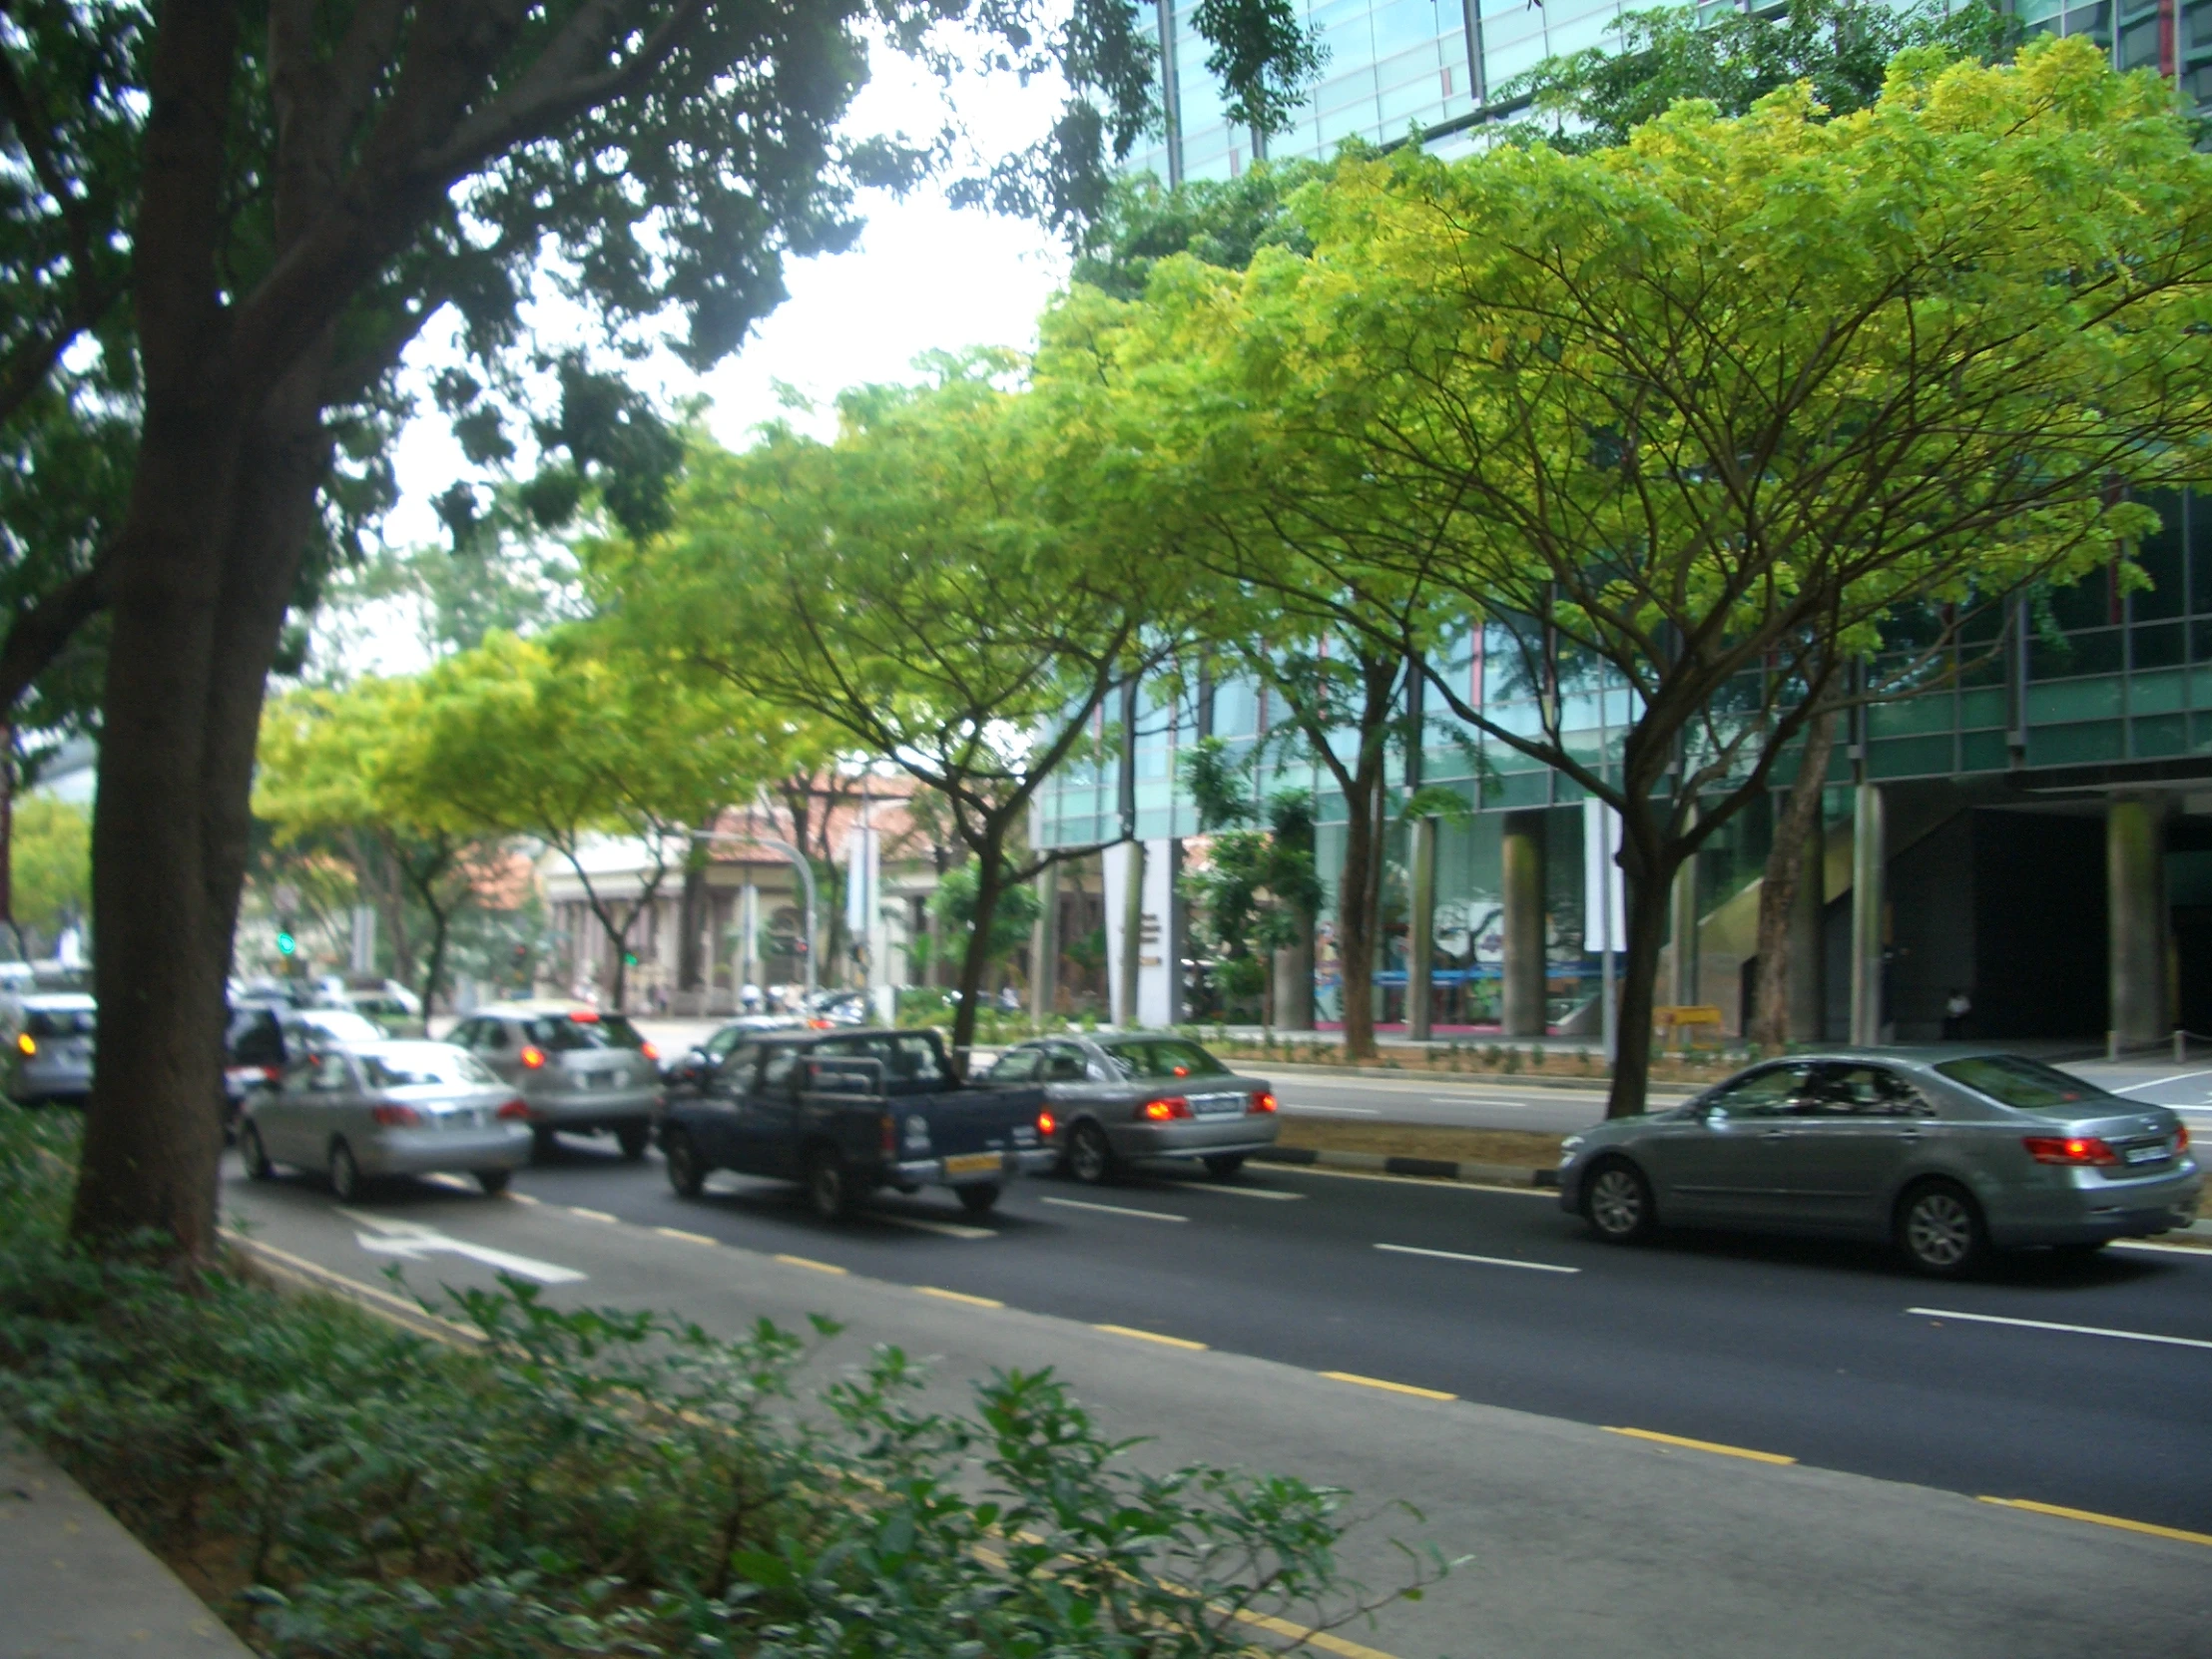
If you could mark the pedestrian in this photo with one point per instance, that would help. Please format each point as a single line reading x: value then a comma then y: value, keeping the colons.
x: 1956, y: 1007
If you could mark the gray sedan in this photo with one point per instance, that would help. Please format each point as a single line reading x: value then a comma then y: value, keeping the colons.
x: 387, y: 1108
x: 1948, y: 1155
x: 1117, y: 1100
x: 52, y: 1052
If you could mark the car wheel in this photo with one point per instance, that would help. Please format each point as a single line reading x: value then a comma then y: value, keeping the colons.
x: 1222, y: 1166
x: 980, y: 1199
x: 1616, y: 1200
x: 494, y: 1181
x: 828, y: 1185
x: 633, y: 1138
x: 686, y: 1173
x: 345, y: 1174
x: 256, y: 1155
x: 1940, y: 1230
x: 1091, y: 1154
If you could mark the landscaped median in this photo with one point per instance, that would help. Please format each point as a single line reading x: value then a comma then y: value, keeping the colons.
x: 615, y: 1484
x: 1496, y: 1157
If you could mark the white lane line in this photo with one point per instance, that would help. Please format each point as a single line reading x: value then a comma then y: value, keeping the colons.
x: 943, y: 1229
x: 2071, y: 1330
x: 1335, y: 1111
x: 1486, y: 1260
x: 2177, y: 1077
x: 1115, y: 1210
x: 1232, y: 1192
x: 2162, y: 1249
x: 457, y: 1183
x: 1492, y: 1105
x: 414, y: 1241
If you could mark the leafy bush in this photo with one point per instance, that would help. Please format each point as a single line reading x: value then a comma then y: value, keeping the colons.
x: 609, y: 1483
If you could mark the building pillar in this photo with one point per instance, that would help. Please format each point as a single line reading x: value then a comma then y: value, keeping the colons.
x: 1522, y: 879
x: 1807, y: 948
x: 1044, y: 948
x: 1420, y: 931
x: 2135, y: 908
x: 1131, y: 964
x: 1867, y: 865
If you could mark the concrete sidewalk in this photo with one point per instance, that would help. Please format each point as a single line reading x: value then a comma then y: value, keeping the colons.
x: 75, y: 1585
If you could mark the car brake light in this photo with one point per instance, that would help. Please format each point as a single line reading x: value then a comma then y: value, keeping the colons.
x: 584, y: 1016
x: 272, y: 1074
x: 396, y: 1117
x: 818, y: 1025
x: 1263, y: 1102
x: 2181, y: 1139
x: 514, y: 1111
x: 890, y: 1137
x: 2072, y: 1150
x: 1166, y: 1107
x: 649, y: 1051
x: 27, y: 1043
x: 1046, y: 1123
x: 532, y: 1057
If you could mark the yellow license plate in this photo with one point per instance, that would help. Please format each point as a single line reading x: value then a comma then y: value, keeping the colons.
x: 973, y: 1163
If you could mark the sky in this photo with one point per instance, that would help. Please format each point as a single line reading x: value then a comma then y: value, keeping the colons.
x: 923, y: 277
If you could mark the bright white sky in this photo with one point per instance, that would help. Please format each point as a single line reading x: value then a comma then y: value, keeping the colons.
x: 924, y: 277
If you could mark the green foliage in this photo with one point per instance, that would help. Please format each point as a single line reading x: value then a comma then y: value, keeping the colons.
x: 49, y: 863
x: 1219, y: 222
x: 612, y: 1482
x: 1263, y: 57
x: 953, y: 904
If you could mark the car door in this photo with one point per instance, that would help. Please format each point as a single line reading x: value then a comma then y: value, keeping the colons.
x: 327, y: 1107
x: 496, y: 1046
x: 715, y: 1116
x: 1853, y: 1130
x: 768, y: 1116
x: 278, y: 1114
x: 1726, y: 1163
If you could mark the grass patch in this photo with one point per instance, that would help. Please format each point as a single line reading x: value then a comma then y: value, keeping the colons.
x: 612, y: 1482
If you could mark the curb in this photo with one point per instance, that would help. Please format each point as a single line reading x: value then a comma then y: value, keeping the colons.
x: 1433, y: 1169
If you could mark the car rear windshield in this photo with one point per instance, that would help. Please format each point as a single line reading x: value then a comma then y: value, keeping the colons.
x: 60, y: 1022
x: 560, y: 1032
x: 2012, y: 1080
x: 411, y: 1068
x: 1163, y: 1057
x: 339, y: 1025
x: 907, y: 1061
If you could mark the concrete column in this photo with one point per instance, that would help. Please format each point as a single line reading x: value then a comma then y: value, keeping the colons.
x: 1044, y: 948
x: 1294, y: 986
x: 1808, y: 955
x: 1682, y: 987
x: 1868, y: 863
x: 1521, y: 880
x: 748, y: 941
x: 2135, y: 908
x: 1131, y: 930
x: 1420, y: 933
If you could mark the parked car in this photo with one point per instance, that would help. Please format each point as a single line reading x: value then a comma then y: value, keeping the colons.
x: 50, y: 1038
x: 577, y: 1070
x: 847, y: 1112
x: 360, y: 1110
x: 1121, y: 1100
x: 1948, y: 1155
x: 690, y: 1071
x: 263, y: 1037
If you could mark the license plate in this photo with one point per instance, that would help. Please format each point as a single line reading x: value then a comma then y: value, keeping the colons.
x: 2145, y: 1154
x: 973, y: 1163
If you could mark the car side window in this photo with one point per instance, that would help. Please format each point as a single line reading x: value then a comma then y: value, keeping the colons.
x: 1066, y: 1064
x: 330, y: 1075
x: 1020, y: 1066
x: 1764, y: 1094
x: 465, y: 1034
x: 491, y: 1035
x: 1861, y: 1091
x: 720, y: 1043
x: 781, y: 1074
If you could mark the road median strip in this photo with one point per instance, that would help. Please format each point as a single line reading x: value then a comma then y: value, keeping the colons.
x: 1428, y: 1169
x: 2118, y: 1522
x: 1387, y: 1385
x: 1714, y: 1446
x: 1150, y: 1337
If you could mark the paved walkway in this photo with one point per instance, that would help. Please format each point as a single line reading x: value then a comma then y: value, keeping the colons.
x: 75, y: 1585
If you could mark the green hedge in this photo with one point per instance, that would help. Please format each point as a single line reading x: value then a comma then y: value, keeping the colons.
x: 609, y: 1482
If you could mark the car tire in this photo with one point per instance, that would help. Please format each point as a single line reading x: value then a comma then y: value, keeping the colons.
x: 1940, y: 1230
x: 980, y: 1199
x: 1091, y: 1157
x: 1222, y: 1166
x: 687, y: 1172
x: 633, y: 1138
x: 254, y: 1154
x: 346, y: 1173
x: 1617, y: 1203
x: 494, y: 1181
x: 828, y: 1185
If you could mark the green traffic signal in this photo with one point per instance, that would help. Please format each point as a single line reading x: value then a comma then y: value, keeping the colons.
x: 286, y: 944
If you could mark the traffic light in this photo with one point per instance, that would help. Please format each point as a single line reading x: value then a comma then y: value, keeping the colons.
x: 286, y: 944
x: 629, y: 958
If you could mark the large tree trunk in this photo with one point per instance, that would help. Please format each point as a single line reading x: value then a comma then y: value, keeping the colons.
x: 1778, y: 887
x: 1355, y: 918
x: 1648, y: 877
x: 990, y: 876
x: 689, y: 958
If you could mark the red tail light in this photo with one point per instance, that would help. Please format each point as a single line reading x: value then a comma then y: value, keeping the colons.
x: 273, y: 1074
x: 514, y: 1112
x: 396, y: 1117
x: 2074, y: 1150
x: 649, y: 1051
x: 2181, y: 1140
x: 532, y: 1057
x: 1046, y: 1123
x: 584, y: 1016
x: 1263, y: 1102
x: 818, y: 1025
x: 890, y: 1137
x: 1166, y: 1107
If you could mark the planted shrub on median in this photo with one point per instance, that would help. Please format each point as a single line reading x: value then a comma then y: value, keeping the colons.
x: 612, y: 1484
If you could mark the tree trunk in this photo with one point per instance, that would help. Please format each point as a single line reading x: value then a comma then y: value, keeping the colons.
x: 1356, y: 891
x: 1648, y: 877
x: 990, y: 876
x: 433, y: 975
x: 690, y: 975
x: 1778, y: 887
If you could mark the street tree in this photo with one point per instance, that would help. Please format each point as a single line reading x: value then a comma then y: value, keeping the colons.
x: 1711, y: 417
x: 1258, y: 890
x: 251, y: 215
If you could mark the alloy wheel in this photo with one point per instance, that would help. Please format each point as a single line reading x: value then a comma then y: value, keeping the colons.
x: 1090, y: 1157
x: 345, y: 1174
x: 1941, y: 1231
x: 1620, y: 1206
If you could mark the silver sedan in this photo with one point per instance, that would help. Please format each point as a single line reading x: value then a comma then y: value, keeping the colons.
x: 387, y: 1108
x: 1116, y: 1100
x: 1948, y: 1155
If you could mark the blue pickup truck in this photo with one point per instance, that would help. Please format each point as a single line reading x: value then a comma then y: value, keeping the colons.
x: 846, y: 1112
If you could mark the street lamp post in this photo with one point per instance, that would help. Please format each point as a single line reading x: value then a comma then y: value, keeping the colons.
x: 798, y: 863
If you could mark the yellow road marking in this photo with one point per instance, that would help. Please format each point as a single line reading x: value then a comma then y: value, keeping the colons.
x: 2096, y: 1520
x: 688, y: 1238
x: 589, y: 1214
x: 1309, y: 1636
x: 1149, y: 1336
x: 957, y: 1296
x: 1392, y: 1387
x: 1713, y: 1447
x: 809, y: 1262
